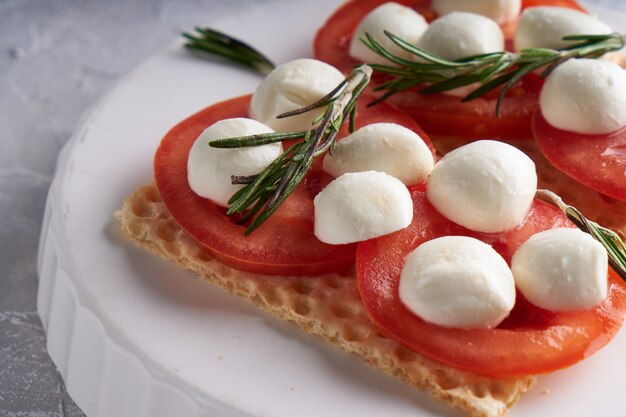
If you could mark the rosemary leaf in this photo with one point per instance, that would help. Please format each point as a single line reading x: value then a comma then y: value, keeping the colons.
x: 371, y: 43
x: 375, y: 46
x: 492, y: 70
x: 351, y: 127
x: 263, y: 194
x: 489, y: 86
x: 420, y: 52
x: 517, y: 76
x: 316, y: 105
x: 255, y: 140
x: 537, y: 52
x: 270, y: 209
x: 614, y: 245
x: 451, y: 84
x: 242, y: 199
x: 220, y: 50
x: 501, y: 66
x: 588, y: 37
x: 386, y: 69
x: 219, y: 44
x: 256, y: 208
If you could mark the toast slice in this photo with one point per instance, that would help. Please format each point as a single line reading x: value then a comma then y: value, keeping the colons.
x: 328, y: 306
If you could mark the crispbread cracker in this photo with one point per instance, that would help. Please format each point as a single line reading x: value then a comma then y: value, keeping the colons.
x: 328, y: 306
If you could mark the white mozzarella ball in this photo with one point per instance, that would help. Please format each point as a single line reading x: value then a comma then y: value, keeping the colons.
x: 460, y: 35
x: 402, y: 21
x: 209, y: 169
x: 486, y: 186
x: 545, y: 27
x: 457, y: 281
x: 360, y: 206
x: 292, y: 86
x: 585, y: 96
x: 501, y: 11
x: 383, y: 147
x: 561, y: 270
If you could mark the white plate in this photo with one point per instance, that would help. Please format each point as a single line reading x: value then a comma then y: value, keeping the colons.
x: 136, y: 336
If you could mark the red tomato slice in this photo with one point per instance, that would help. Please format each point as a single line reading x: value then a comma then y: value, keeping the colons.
x: 443, y: 115
x: 284, y: 244
x: 529, y: 341
x: 597, y: 161
x: 570, y: 4
x: 439, y: 114
x: 333, y: 39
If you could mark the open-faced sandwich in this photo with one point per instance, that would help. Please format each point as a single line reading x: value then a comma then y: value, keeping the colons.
x: 574, y: 137
x: 447, y: 272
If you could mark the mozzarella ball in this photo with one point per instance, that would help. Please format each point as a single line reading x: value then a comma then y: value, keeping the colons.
x: 457, y: 281
x: 383, y: 147
x: 292, y: 86
x: 585, y: 96
x: 209, y: 169
x: 561, y: 270
x: 501, y: 11
x: 402, y: 21
x: 545, y: 27
x: 460, y: 35
x: 486, y: 186
x: 360, y: 206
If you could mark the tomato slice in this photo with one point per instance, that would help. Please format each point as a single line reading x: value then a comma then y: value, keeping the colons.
x: 570, y: 4
x: 529, y: 341
x: 439, y: 114
x: 285, y: 243
x: 333, y: 38
x: 597, y: 161
x: 443, y: 115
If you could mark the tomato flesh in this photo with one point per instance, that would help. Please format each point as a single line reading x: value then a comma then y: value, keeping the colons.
x: 597, y: 161
x: 570, y: 4
x: 285, y: 244
x: 443, y: 115
x: 333, y: 39
x: 529, y: 341
x: 439, y: 114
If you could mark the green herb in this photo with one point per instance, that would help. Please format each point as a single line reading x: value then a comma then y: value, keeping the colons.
x: 264, y: 193
x: 216, y: 43
x: 609, y: 239
x: 493, y: 70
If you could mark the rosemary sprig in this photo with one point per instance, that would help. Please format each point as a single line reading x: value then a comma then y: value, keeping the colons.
x: 265, y: 192
x: 216, y: 43
x: 611, y: 241
x: 489, y: 70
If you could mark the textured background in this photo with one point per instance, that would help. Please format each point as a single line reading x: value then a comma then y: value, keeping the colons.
x: 56, y: 59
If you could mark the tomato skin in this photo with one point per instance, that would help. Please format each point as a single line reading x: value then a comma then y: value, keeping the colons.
x: 443, y: 115
x: 530, y: 341
x: 438, y: 114
x: 217, y: 233
x: 596, y: 161
x: 570, y: 4
x: 285, y: 243
x: 333, y: 39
